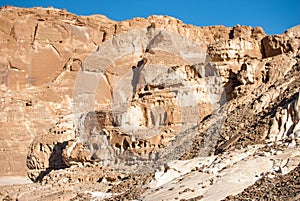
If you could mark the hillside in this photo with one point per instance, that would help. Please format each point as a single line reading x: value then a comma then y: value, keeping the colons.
x: 146, y: 108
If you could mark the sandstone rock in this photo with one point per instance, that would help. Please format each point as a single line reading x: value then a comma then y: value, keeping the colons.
x: 216, y: 175
x: 278, y: 44
x: 85, y: 92
x: 75, y: 153
x: 46, y: 151
x: 234, y: 49
x: 285, y: 123
x: 4, y: 65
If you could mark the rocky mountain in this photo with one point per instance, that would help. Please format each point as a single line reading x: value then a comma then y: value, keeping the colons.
x: 95, y: 109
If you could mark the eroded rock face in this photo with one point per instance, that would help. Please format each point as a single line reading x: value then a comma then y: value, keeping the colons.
x: 40, y: 51
x: 77, y: 89
x: 285, y: 123
x: 46, y: 151
x: 171, y: 88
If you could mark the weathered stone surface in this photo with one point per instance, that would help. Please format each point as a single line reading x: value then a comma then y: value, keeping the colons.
x: 80, y: 93
x: 278, y: 44
x: 213, y: 178
x: 285, y: 123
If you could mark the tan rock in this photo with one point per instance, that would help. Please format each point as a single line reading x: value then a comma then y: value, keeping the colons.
x: 285, y: 123
x: 45, y: 51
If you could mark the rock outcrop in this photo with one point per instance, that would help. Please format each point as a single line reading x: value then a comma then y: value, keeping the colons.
x: 134, y: 106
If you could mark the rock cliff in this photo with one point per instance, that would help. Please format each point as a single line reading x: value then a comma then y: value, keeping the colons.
x: 144, y: 106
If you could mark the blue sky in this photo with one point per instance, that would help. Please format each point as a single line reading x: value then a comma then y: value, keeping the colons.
x: 274, y: 16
